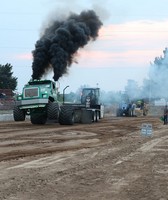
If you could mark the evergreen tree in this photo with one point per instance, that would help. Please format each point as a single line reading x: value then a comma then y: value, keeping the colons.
x: 7, y: 80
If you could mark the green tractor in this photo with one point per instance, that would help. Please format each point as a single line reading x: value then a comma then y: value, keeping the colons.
x: 39, y: 100
x: 87, y: 111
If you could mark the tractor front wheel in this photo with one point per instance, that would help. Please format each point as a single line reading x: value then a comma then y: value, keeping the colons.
x: 18, y: 114
x: 38, y: 118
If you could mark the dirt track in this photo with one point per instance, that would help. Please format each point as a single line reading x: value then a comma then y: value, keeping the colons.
x: 108, y: 160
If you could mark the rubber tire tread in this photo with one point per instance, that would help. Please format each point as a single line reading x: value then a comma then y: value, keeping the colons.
x: 18, y: 114
x: 38, y: 118
x: 66, y: 116
x: 119, y: 112
x: 53, y: 111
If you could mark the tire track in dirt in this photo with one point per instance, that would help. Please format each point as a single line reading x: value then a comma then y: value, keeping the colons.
x: 23, y: 139
x: 117, y: 164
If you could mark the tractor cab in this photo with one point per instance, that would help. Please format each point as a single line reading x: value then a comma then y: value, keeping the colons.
x: 90, y: 95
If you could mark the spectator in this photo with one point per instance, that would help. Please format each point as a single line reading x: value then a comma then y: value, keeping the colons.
x: 165, y: 115
x: 133, y: 106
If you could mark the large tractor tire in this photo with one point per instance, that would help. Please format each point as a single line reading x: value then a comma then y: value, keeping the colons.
x: 128, y: 112
x: 38, y: 118
x: 66, y: 116
x: 53, y: 111
x: 18, y: 114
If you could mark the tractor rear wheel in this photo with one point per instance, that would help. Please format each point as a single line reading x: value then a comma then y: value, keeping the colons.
x: 66, y: 116
x: 119, y: 112
x: 53, y: 111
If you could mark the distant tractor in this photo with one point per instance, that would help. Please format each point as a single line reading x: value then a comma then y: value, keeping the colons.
x: 133, y: 107
x: 39, y: 99
x: 124, y: 108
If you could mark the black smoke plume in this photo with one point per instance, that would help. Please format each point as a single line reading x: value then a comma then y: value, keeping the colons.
x: 60, y: 42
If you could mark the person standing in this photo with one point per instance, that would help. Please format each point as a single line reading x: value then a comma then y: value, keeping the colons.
x: 133, y: 106
x: 165, y: 115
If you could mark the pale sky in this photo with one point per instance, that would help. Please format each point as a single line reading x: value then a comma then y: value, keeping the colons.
x: 134, y: 32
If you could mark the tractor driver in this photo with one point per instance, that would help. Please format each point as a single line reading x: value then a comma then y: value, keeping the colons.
x: 92, y: 97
